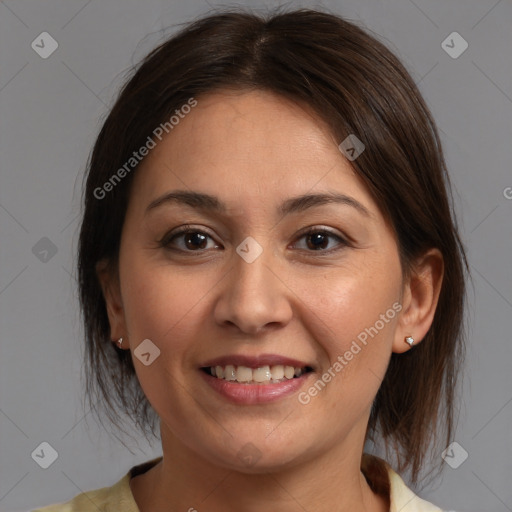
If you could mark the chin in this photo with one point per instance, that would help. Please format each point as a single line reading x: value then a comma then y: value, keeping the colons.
x: 260, y: 463
x: 258, y: 455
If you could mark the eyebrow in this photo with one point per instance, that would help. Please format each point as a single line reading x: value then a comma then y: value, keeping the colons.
x: 296, y: 204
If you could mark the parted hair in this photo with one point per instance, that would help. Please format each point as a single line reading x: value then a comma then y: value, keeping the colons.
x: 357, y: 86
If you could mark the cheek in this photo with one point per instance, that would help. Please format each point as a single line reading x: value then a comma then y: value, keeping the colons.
x: 353, y: 316
x: 165, y: 304
x: 348, y: 302
x: 162, y: 305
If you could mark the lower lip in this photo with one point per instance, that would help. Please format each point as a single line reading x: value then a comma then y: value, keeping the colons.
x: 254, y: 393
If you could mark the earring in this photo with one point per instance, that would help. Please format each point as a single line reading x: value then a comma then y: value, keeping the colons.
x: 120, y: 341
x: 409, y: 340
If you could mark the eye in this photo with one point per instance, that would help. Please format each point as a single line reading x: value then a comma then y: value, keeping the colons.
x: 191, y: 240
x: 318, y: 240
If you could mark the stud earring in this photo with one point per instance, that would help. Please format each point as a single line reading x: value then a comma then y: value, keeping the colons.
x: 409, y: 340
x: 120, y: 341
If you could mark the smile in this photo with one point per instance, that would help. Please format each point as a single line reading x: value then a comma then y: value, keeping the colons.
x: 262, y: 375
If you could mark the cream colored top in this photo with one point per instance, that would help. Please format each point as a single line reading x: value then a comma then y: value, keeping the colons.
x: 119, y: 496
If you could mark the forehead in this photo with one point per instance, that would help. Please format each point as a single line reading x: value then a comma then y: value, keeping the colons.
x: 249, y: 148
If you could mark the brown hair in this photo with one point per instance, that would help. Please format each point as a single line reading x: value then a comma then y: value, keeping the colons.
x: 356, y: 85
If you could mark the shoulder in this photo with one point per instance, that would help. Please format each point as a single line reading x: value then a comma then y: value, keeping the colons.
x: 402, y: 499
x: 107, y: 499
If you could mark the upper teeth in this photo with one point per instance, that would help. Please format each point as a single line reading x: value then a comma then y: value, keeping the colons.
x: 264, y: 374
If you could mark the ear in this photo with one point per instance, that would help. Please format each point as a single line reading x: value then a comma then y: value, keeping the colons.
x: 109, y: 281
x: 420, y: 296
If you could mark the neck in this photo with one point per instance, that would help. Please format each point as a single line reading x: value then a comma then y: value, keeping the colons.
x: 184, y: 481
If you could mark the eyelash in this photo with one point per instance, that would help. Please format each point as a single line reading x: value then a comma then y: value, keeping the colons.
x: 165, y: 242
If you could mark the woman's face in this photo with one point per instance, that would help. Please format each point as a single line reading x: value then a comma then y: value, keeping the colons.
x: 329, y: 300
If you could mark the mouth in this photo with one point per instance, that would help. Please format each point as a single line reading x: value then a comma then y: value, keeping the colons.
x: 263, y: 375
x: 245, y: 379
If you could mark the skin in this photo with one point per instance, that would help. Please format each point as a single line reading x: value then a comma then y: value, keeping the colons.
x: 253, y: 150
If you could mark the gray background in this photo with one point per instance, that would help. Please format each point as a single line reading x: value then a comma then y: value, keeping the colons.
x: 50, y: 112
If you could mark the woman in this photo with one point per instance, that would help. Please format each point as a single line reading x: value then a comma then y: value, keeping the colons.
x: 269, y: 243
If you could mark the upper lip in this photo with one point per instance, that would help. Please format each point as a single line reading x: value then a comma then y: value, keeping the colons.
x: 255, y: 361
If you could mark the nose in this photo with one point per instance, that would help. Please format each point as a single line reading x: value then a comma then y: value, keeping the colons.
x: 253, y: 297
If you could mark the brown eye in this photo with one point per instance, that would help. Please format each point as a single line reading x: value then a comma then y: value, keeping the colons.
x: 188, y: 240
x: 195, y: 240
x: 319, y: 239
